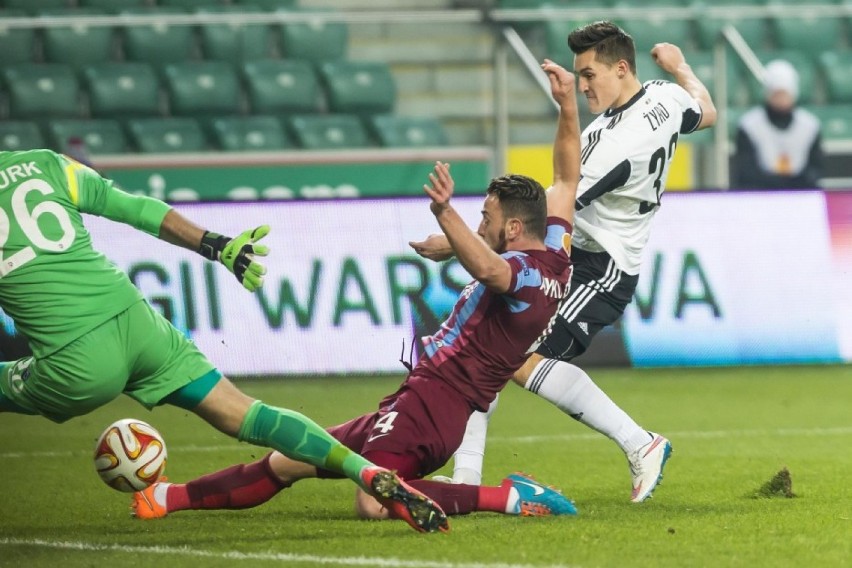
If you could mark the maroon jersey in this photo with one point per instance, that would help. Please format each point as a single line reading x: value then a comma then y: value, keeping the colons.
x: 488, y: 336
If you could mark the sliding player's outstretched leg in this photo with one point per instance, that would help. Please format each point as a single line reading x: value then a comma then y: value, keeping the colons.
x: 403, y: 501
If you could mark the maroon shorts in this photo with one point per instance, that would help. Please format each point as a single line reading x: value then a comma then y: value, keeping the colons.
x: 415, y: 431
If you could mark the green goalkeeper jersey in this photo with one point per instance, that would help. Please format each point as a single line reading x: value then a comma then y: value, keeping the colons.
x: 53, y: 284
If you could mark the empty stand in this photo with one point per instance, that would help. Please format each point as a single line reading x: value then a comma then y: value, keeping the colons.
x: 20, y: 135
x: 202, y: 88
x: 407, y: 132
x: 122, y: 90
x: 250, y: 133
x: 166, y: 135
x: 78, y: 44
x: 42, y: 91
x: 837, y: 70
x: 325, y: 132
x: 360, y: 87
x: 315, y: 40
x: 282, y: 86
x: 158, y: 43
x: 101, y: 136
x: 234, y: 42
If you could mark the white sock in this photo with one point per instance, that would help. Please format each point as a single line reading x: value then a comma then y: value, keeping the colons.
x: 471, y: 453
x: 160, y: 491
x: 574, y: 393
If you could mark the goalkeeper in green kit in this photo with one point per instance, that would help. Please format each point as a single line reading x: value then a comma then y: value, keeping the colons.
x: 93, y: 335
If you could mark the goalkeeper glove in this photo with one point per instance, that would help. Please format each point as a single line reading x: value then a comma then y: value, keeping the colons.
x: 238, y: 254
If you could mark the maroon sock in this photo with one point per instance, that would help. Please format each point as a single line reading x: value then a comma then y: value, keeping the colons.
x: 494, y: 498
x: 453, y: 498
x: 237, y: 487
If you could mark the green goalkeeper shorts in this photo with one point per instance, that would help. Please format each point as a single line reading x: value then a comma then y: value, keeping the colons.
x: 138, y: 352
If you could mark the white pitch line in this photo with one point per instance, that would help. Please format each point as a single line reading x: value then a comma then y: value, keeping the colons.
x: 686, y: 434
x: 283, y: 557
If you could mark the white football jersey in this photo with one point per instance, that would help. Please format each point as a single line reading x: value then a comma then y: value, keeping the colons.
x: 624, y: 163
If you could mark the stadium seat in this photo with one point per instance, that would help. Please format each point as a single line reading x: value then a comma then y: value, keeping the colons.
x: 202, y: 88
x: 233, y: 42
x: 122, y: 90
x: 407, y: 132
x: 189, y: 4
x: 269, y: 5
x: 16, y: 44
x: 360, y: 87
x: 807, y: 34
x: 703, y: 65
x: 77, y: 45
x: 315, y: 41
x: 837, y: 70
x: 43, y: 91
x: 250, y: 133
x: 329, y: 131
x: 166, y: 135
x: 556, y: 40
x: 653, y: 29
x: 753, y: 30
x: 836, y: 121
x: 648, y: 70
x: 282, y: 86
x: 20, y: 135
x: 33, y: 7
x: 113, y: 6
x: 100, y: 136
x: 158, y: 43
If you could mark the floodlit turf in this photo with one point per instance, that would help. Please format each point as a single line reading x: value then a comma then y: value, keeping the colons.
x: 732, y: 430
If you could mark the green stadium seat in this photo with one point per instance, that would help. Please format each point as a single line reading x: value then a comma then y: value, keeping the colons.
x: 166, y: 135
x: 268, y: 5
x: 407, y: 132
x: 837, y: 70
x: 232, y: 42
x: 113, y: 6
x: 20, y: 135
x: 189, y: 4
x: 33, y: 7
x: 808, y: 34
x: 704, y: 67
x: 101, y: 136
x: 16, y: 44
x: 122, y: 90
x: 650, y: 30
x: 250, y: 133
x: 753, y: 30
x: 648, y: 70
x: 42, y: 91
x: 360, y: 87
x: 836, y: 121
x: 328, y: 132
x: 314, y: 41
x: 202, y: 88
x: 282, y: 86
x: 76, y: 44
x: 158, y: 43
x: 804, y: 64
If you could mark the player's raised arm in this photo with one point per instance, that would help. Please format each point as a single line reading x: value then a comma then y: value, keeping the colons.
x: 671, y: 60
x: 566, y: 146
x: 481, y: 262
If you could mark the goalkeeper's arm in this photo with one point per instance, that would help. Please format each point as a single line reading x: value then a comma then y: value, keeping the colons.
x: 237, y: 254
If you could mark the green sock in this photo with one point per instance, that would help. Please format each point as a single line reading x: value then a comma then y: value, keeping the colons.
x: 300, y: 438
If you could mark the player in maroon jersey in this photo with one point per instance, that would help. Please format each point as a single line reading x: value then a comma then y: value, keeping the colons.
x: 519, y: 261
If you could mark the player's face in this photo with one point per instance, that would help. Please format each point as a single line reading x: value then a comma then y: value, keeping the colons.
x: 492, y: 228
x: 599, y: 82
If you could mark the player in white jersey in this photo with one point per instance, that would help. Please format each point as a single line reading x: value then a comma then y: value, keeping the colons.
x: 625, y: 158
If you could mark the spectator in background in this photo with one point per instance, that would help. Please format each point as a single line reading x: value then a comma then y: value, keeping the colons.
x: 778, y: 143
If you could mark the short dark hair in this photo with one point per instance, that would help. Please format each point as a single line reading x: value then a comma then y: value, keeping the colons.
x: 523, y: 198
x: 610, y: 42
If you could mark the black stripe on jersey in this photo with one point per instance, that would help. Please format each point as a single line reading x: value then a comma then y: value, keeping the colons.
x: 616, y: 178
x: 594, y: 138
x: 615, y: 120
x: 690, y: 121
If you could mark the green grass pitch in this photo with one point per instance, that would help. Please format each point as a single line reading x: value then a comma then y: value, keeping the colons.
x: 732, y: 430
